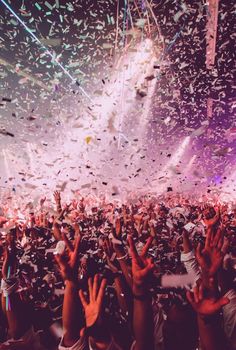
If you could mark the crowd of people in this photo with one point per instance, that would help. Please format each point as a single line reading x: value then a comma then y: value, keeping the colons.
x: 95, y: 275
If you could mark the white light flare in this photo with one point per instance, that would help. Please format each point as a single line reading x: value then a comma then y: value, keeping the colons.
x: 176, y: 157
x: 119, y: 97
x: 119, y: 114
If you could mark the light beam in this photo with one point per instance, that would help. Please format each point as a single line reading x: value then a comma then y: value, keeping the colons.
x: 45, y: 48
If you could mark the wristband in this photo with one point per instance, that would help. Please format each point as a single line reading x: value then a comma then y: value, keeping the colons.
x: 122, y: 257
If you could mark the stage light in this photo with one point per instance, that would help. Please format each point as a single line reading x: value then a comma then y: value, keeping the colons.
x: 45, y: 48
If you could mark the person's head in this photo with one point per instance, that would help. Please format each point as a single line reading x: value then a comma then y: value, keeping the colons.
x: 162, y: 212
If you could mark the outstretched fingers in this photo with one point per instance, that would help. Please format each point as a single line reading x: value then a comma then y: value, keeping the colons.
x: 150, y: 266
x: 60, y: 261
x: 96, y: 292
x: 146, y: 247
x: 83, y: 299
x: 133, y: 250
x: 67, y: 242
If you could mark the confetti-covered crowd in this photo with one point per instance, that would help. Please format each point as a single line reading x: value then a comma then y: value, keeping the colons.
x: 145, y: 275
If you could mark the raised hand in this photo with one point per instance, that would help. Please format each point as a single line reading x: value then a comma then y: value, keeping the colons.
x: 93, y: 307
x: 69, y: 263
x: 57, y: 196
x: 210, y: 258
x: 212, y: 221
x: 141, y: 265
x: 109, y: 251
x: 202, y: 305
x: 142, y: 268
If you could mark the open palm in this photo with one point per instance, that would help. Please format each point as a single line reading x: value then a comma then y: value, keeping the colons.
x: 93, y: 307
x: 211, y: 256
x: 203, y: 305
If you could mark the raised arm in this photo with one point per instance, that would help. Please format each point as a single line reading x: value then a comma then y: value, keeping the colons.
x: 209, y: 322
x: 57, y: 198
x: 121, y: 287
x: 142, y: 315
x: 72, y: 314
x: 205, y: 297
x: 96, y: 329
